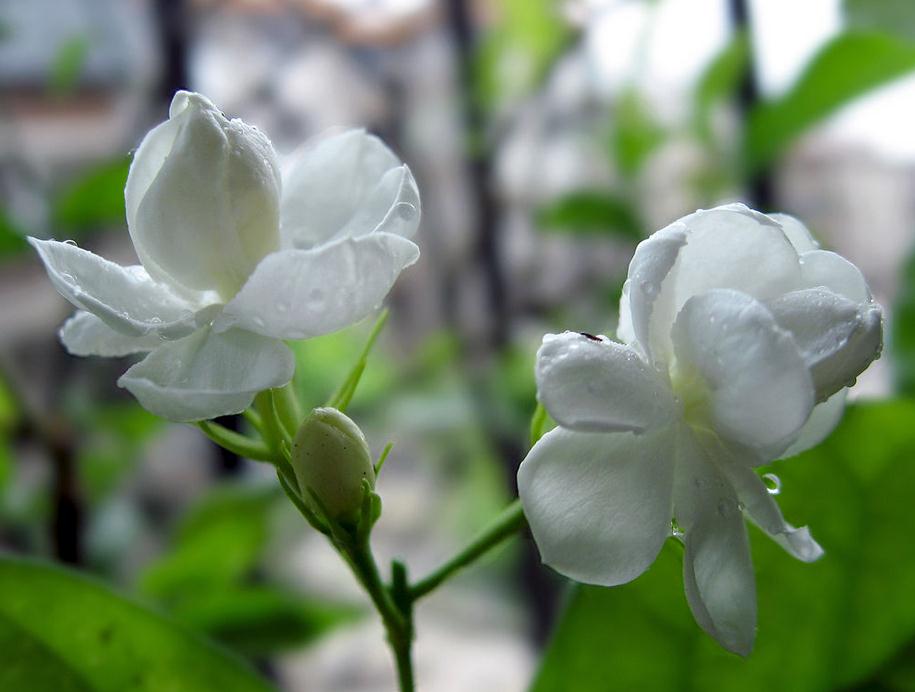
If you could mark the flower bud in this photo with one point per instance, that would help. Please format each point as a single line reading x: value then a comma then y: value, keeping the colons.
x: 331, y: 459
x: 203, y: 198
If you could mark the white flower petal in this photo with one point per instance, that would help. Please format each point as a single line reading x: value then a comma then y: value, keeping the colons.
x: 125, y: 298
x: 599, y: 505
x: 796, y: 232
x: 837, y: 338
x: 84, y: 334
x: 823, y: 420
x: 343, y: 186
x: 760, y: 391
x: 592, y: 384
x: 762, y: 508
x: 203, y: 198
x: 297, y: 294
x: 717, y: 570
x: 206, y: 375
x: 624, y: 329
x: 832, y: 271
x: 652, y: 262
x: 727, y: 247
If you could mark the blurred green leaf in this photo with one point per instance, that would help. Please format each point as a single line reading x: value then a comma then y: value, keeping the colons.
x: 895, y: 17
x: 822, y: 626
x: 844, y: 69
x: 12, y: 237
x: 517, y: 51
x: 902, y: 336
x: 62, y: 631
x: 635, y: 135
x: 718, y: 82
x: 591, y: 212
x: 68, y: 64
x: 219, y: 541
x: 113, y: 439
x: 93, y: 200
x: 262, y: 620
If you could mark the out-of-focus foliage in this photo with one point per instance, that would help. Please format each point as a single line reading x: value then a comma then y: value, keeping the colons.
x: 64, y: 632
x: 635, y: 133
x: 517, y: 51
x: 93, y: 200
x: 220, y: 540
x: 209, y: 580
x: 12, y: 237
x: 592, y: 212
x: 845, y: 68
x: 903, y: 331
x: 718, y: 83
x: 895, y: 17
x: 840, y: 622
x: 67, y: 66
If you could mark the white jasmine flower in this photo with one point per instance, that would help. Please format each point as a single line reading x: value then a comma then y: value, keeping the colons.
x: 739, y: 338
x: 236, y: 256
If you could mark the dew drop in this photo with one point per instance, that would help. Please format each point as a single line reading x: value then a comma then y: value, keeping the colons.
x: 676, y: 530
x: 282, y: 306
x: 406, y: 211
x: 773, y: 483
x: 67, y: 277
x: 259, y: 321
x: 70, y: 241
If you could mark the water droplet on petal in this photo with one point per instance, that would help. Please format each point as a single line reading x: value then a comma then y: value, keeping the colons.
x: 259, y: 321
x: 773, y: 483
x: 282, y: 306
x: 406, y: 211
x: 70, y: 241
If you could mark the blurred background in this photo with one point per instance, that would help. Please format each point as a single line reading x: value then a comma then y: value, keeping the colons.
x: 548, y: 137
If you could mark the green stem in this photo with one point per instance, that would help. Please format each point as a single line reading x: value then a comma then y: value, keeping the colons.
x: 273, y: 432
x: 507, y: 524
x: 288, y: 408
x: 397, y: 623
x: 235, y: 442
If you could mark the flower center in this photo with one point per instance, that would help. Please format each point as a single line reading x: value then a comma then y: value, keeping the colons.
x: 693, y: 394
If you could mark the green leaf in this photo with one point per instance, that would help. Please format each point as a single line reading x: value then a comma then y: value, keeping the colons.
x: 220, y: 541
x: 12, y: 237
x: 62, y: 631
x: 895, y: 17
x: 68, y: 64
x: 822, y: 626
x: 517, y: 51
x: 847, y: 67
x: 902, y: 336
x: 262, y: 620
x: 718, y: 82
x: 635, y: 135
x: 590, y: 212
x: 93, y: 200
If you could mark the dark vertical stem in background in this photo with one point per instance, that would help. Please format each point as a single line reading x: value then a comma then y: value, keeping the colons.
x: 67, y: 520
x: 759, y: 184
x: 479, y: 172
x: 539, y: 590
x: 172, y: 21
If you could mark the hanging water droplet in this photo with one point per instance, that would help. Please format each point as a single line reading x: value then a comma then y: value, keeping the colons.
x: 676, y: 531
x: 773, y: 483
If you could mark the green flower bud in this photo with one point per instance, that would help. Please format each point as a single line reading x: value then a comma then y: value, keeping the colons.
x: 331, y: 459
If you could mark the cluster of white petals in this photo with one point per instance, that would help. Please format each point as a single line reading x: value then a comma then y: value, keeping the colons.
x: 739, y: 337
x: 236, y: 255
